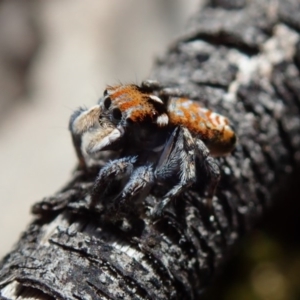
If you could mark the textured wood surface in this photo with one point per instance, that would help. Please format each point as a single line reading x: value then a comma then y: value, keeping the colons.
x: 239, y: 58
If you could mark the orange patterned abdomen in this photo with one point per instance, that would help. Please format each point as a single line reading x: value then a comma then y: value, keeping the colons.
x: 211, y: 127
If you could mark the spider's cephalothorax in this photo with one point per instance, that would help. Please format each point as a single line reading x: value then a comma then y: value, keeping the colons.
x: 160, y: 140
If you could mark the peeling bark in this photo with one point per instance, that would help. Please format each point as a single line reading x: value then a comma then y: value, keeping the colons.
x: 239, y: 58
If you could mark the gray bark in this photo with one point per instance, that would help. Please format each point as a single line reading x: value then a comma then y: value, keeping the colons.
x: 239, y: 58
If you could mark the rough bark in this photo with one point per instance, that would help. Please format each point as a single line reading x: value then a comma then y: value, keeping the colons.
x: 239, y: 58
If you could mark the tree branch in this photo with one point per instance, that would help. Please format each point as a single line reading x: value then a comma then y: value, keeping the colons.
x: 239, y: 58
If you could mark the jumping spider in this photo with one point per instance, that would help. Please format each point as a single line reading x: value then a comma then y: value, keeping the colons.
x: 160, y: 136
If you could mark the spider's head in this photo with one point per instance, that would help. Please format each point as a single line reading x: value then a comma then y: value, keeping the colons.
x: 125, y: 114
x: 133, y: 112
x: 126, y: 105
x: 90, y: 131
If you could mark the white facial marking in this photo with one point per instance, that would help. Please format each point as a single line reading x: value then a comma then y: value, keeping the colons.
x: 162, y: 120
x: 156, y: 99
x: 106, y: 141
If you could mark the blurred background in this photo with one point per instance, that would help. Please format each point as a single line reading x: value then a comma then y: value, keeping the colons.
x: 57, y: 55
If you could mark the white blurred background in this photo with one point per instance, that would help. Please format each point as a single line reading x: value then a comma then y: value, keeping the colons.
x: 55, y: 56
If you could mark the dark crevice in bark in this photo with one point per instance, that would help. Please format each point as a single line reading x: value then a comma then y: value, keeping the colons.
x: 294, y: 89
x: 228, y: 4
x: 34, y: 284
x: 296, y: 59
x: 154, y: 261
x: 286, y: 141
x: 224, y: 39
x: 207, y: 252
x: 258, y: 173
x: 287, y: 97
x: 213, y: 85
x: 228, y: 212
x: 285, y: 90
x: 99, y: 292
x: 292, y: 25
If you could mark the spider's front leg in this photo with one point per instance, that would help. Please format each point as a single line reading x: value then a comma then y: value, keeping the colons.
x: 88, y: 134
x: 76, y: 128
x: 178, y: 157
x: 113, y: 170
x: 140, y: 183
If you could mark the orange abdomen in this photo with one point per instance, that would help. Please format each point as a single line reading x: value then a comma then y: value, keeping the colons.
x: 212, y: 128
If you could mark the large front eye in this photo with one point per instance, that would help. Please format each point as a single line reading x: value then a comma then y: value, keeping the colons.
x: 107, y: 102
x: 100, y: 120
x: 129, y: 121
x: 117, y: 114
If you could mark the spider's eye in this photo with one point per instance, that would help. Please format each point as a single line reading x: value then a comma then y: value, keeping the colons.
x: 105, y: 93
x: 117, y: 114
x: 107, y: 102
x: 129, y: 121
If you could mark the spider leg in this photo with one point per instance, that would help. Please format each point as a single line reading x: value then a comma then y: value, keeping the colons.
x: 87, y: 133
x: 211, y: 166
x: 113, y: 170
x: 181, y: 159
x: 151, y: 85
x: 140, y: 182
x: 76, y: 136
